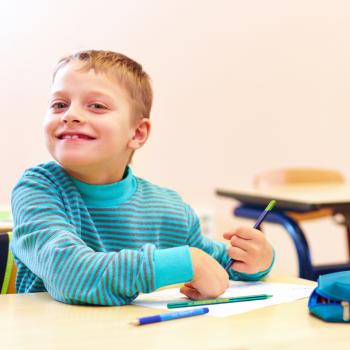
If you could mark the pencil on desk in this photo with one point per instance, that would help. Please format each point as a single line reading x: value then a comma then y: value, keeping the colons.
x: 217, y: 301
x: 170, y: 316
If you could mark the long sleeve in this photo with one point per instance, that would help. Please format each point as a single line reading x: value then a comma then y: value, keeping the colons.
x: 217, y: 250
x: 50, y: 252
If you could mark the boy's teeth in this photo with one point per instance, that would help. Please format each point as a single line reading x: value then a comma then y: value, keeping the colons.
x: 75, y: 137
x: 70, y: 137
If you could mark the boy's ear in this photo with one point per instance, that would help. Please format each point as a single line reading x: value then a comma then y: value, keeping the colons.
x: 141, y: 133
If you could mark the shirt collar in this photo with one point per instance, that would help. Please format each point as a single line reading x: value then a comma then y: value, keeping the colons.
x: 108, y: 195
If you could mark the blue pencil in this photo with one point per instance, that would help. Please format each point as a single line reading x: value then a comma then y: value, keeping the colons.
x: 257, y: 224
x: 170, y: 316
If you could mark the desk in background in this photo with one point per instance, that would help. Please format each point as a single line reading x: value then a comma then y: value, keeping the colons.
x: 5, y: 226
x: 35, y: 321
x: 297, y: 199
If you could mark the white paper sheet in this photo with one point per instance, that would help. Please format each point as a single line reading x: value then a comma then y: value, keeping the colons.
x: 281, y: 293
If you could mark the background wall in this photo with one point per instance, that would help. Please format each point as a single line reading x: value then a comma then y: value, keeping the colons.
x: 240, y: 87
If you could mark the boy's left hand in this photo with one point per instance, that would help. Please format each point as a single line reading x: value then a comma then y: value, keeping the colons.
x: 249, y: 249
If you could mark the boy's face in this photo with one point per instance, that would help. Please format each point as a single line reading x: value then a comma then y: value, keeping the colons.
x: 89, y: 127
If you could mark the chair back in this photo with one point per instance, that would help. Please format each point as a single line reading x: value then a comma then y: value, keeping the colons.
x: 297, y: 176
x: 7, y: 265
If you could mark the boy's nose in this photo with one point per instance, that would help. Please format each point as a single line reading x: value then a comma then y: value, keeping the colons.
x: 72, y: 116
x: 70, y: 119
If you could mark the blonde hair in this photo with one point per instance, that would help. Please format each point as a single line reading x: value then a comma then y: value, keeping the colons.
x: 128, y: 72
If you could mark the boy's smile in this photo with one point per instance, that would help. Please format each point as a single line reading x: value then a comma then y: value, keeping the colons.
x: 74, y: 136
x: 89, y: 126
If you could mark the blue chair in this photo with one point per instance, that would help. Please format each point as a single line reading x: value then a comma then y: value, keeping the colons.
x: 7, y: 266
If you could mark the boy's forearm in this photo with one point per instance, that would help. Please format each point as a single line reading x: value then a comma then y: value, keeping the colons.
x: 77, y: 275
x: 74, y: 273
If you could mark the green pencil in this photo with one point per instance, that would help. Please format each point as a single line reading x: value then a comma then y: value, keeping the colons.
x: 217, y: 301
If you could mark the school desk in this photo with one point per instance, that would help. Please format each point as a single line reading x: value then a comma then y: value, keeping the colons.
x: 36, y: 321
x: 5, y: 226
x: 296, y: 199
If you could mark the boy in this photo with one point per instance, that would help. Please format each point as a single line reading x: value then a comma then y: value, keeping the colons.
x: 86, y: 229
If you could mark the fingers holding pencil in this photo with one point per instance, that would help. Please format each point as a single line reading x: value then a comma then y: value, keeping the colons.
x: 251, y: 254
x: 250, y: 251
x: 243, y: 232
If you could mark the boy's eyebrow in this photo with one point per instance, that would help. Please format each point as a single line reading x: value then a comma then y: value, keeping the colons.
x: 56, y: 93
x: 94, y: 93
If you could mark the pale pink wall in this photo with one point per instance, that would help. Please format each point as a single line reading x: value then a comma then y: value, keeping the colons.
x: 240, y: 86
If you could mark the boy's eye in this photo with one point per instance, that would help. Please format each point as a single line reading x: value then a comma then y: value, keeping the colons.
x: 58, y: 105
x: 97, y: 106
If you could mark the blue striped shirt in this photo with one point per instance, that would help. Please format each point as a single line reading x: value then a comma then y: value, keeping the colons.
x: 103, y: 244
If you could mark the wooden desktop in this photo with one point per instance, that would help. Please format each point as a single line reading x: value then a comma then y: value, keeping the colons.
x: 5, y: 226
x: 36, y: 321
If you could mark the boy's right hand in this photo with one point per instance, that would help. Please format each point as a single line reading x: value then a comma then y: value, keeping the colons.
x: 209, y: 278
